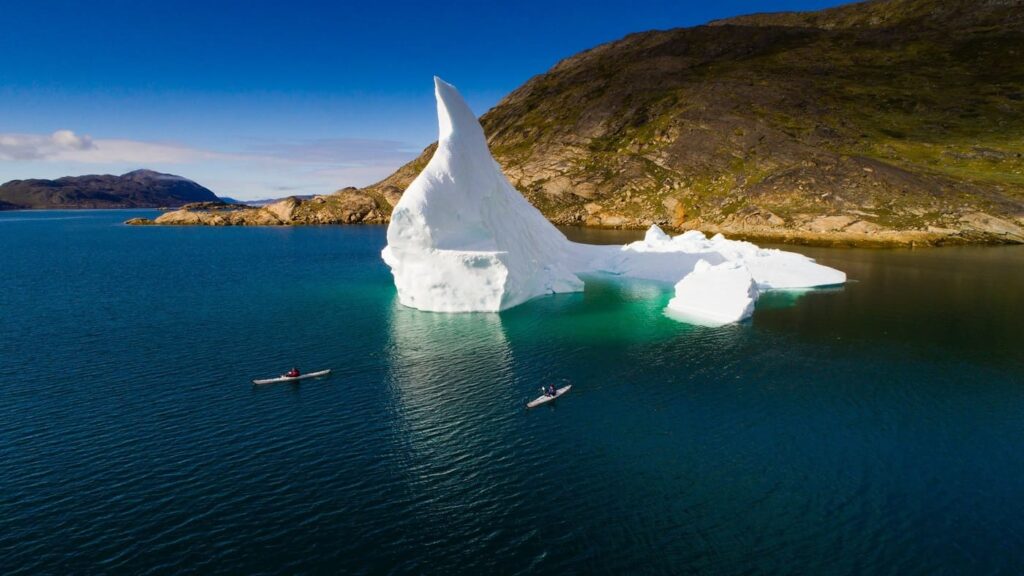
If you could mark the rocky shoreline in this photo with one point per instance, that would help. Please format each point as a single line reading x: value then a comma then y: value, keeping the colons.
x: 373, y: 206
x: 346, y: 206
x: 853, y: 230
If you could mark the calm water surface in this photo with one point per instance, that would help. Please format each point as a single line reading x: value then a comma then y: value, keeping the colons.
x: 876, y: 428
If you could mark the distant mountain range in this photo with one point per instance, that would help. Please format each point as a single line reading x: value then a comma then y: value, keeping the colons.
x: 136, y: 189
x: 263, y: 201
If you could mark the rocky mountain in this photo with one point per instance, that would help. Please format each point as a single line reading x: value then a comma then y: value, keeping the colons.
x: 876, y: 123
x: 886, y: 121
x: 137, y: 189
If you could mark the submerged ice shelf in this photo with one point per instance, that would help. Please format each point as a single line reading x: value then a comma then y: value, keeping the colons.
x: 463, y: 239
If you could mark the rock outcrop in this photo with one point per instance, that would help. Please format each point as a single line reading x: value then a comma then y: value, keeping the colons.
x: 346, y: 206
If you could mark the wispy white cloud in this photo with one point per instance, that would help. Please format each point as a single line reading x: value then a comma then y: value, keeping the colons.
x: 259, y: 168
x: 66, y: 146
x: 42, y: 146
x: 333, y: 150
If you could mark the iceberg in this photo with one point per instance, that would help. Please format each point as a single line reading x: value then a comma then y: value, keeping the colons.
x: 714, y: 295
x: 463, y: 239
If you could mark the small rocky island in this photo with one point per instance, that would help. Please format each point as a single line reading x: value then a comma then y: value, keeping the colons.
x: 346, y: 206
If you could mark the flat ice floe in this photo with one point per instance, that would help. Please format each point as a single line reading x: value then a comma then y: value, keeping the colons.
x: 463, y: 239
x: 714, y: 295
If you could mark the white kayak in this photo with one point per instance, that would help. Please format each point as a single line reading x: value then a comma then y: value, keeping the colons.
x: 280, y: 379
x: 545, y: 398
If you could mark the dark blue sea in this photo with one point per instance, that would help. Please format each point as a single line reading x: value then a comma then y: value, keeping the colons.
x: 876, y: 428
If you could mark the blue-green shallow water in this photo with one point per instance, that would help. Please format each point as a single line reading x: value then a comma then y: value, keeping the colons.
x: 876, y: 428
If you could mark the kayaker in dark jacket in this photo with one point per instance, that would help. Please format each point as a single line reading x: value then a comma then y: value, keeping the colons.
x: 551, y: 390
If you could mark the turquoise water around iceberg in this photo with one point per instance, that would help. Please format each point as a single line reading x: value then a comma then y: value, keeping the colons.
x: 875, y: 428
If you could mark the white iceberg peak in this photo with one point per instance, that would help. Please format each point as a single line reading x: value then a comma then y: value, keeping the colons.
x: 463, y: 239
x: 655, y: 235
x: 455, y: 120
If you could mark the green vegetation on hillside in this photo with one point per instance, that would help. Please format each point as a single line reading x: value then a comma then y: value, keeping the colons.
x: 898, y: 119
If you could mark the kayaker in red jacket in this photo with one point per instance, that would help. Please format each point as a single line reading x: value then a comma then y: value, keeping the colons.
x: 293, y: 373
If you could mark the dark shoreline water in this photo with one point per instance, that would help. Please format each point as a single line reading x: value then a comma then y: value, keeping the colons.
x: 872, y: 428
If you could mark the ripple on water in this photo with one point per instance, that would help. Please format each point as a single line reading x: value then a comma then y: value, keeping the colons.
x: 807, y: 439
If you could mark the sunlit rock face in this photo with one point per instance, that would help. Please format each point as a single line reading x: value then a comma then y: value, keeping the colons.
x: 463, y: 239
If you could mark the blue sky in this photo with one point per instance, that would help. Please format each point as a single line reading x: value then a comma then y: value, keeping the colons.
x: 257, y: 99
